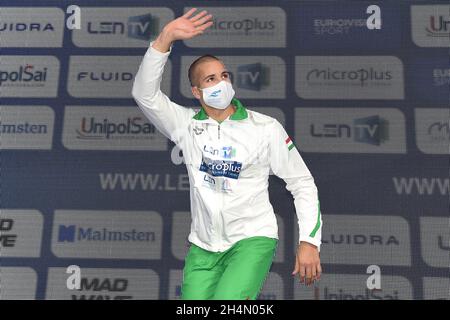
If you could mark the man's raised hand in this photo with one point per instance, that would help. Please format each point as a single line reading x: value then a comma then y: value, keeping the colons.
x: 182, y: 28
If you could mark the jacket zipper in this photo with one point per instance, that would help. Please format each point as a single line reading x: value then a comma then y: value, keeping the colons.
x: 221, y: 204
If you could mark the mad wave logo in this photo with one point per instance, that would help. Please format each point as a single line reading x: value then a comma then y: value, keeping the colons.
x: 72, y: 233
x: 371, y: 130
x: 253, y: 76
x: 221, y: 168
x: 103, y: 289
x: 7, y: 238
x: 102, y: 284
x: 91, y: 128
x: 141, y: 27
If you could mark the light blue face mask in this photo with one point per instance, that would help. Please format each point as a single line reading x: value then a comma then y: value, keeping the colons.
x: 218, y: 96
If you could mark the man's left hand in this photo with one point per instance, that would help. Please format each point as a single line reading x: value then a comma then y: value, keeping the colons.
x: 307, y: 263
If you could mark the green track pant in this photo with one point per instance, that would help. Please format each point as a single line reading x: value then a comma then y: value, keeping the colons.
x: 235, y: 274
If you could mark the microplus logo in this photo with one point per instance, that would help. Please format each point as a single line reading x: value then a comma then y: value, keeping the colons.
x: 221, y: 168
x: 248, y: 26
x: 349, y: 77
x: 72, y: 233
x: 361, y: 76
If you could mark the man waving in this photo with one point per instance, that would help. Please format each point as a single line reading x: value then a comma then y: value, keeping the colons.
x: 229, y: 151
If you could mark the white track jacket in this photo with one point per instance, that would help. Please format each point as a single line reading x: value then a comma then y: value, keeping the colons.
x: 229, y: 164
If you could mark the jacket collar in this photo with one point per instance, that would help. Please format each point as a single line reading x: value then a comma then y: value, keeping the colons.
x: 239, y: 114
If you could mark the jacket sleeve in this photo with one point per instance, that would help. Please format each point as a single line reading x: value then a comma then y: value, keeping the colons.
x: 167, y: 116
x: 287, y: 163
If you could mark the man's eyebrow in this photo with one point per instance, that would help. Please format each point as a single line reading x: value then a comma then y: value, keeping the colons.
x: 226, y: 71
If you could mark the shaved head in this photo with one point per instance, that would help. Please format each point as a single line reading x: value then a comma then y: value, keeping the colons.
x: 193, y: 73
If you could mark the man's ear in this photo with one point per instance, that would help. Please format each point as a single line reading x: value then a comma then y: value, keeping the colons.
x: 196, y: 93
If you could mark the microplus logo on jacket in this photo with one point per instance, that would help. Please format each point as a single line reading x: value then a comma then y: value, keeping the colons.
x: 221, y: 168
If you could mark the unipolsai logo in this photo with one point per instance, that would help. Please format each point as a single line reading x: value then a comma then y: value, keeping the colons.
x: 93, y: 128
x: 430, y: 25
x: 29, y: 76
x: 438, y: 26
x: 24, y: 75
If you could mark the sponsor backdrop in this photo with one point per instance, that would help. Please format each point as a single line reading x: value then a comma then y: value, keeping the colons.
x: 86, y: 180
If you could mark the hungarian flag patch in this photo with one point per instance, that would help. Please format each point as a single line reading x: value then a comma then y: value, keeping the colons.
x: 289, y: 143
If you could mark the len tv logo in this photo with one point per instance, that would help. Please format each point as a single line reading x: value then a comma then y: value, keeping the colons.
x: 142, y: 27
x: 253, y: 76
x: 372, y: 130
x: 66, y: 233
